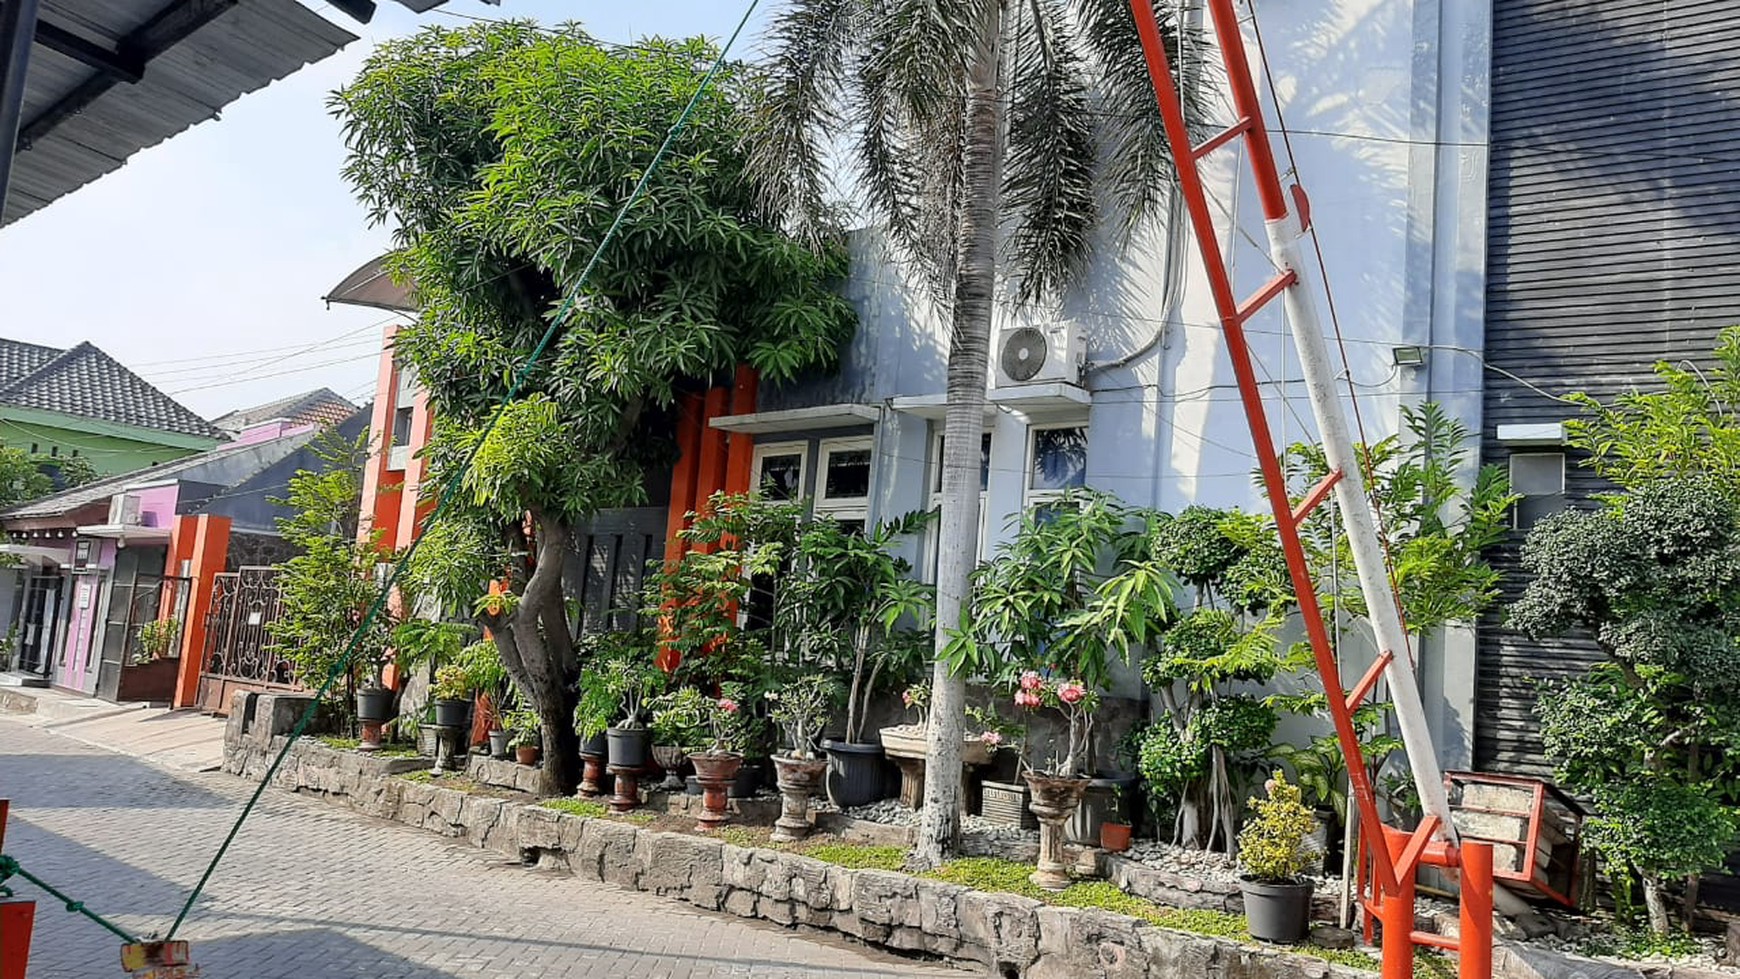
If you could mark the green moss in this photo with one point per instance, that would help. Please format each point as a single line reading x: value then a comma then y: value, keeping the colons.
x: 422, y: 776
x: 989, y: 874
x: 738, y: 836
x: 384, y: 751
x: 639, y: 817
x: 858, y: 856
x: 341, y: 744
x: 576, y: 807
x: 1639, y: 943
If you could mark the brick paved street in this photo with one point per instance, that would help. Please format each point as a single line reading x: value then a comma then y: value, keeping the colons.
x: 310, y: 892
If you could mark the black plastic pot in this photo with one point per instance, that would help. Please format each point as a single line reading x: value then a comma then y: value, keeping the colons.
x: 1277, y: 912
x: 747, y: 781
x: 595, y: 745
x: 1109, y: 797
x: 452, y: 713
x: 629, y: 747
x: 374, y: 705
x: 854, y: 773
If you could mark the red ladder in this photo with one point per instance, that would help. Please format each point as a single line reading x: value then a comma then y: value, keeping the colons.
x: 1395, y: 855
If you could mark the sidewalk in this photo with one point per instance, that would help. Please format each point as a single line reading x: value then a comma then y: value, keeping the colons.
x: 183, y: 739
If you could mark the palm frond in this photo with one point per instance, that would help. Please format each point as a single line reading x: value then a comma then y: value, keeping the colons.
x: 1136, y: 172
x: 1049, y: 170
x: 798, y: 108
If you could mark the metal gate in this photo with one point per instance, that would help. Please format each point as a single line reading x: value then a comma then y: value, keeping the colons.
x: 37, y: 630
x: 236, y: 657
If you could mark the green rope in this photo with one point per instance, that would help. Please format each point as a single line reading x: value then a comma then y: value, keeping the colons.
x: 11, y: 868
x: 556, y: 324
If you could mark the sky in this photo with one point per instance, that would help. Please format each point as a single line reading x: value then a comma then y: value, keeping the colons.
x: 201, y: 262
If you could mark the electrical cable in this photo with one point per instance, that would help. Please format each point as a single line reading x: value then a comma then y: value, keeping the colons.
x: 557, y: 322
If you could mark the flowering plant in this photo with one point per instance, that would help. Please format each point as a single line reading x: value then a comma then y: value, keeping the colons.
x: 725, y: 719
x: 801, y: 708
x: 917, y: 697
x: 994, y: 733
x: 1075, y: 701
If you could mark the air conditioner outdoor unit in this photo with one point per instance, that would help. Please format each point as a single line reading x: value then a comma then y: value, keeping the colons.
x: 124, y: 510
x: 1039, y: 354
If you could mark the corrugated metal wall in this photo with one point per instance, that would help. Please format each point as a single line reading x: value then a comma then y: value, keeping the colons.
x: 1614, y: 224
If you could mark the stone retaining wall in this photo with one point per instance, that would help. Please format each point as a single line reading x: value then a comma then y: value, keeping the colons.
x: 1013, y: 936
x: 1184, y: 891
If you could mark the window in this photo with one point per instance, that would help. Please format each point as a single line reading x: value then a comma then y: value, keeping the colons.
x: 1539, y: 478
x: 1057, y: 461
x: 778, y: 470
x: 54, y: 452
x: 932, y: 535
x: 843, y: 481
x: 402, y: 426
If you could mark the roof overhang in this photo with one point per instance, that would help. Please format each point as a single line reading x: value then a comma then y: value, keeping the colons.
x: 370, y: 285
x: 124, y: 534
x: 37, y: 556
x: 798, y: 419
x: 933, y: 407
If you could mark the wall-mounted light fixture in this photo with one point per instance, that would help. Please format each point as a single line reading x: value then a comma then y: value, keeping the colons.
x: 1408, y: 356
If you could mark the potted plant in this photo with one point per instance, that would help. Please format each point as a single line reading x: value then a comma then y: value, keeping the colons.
x: 526, y: 734
x: 1057, y: 788
x: 451, y: 695
x: 717, y: 766
x: 679, y: 726
x: 801, y: 710
x: 891, y: 643
x: 1274, y: 856
x: 157, y: 638
x: 1115, y: 829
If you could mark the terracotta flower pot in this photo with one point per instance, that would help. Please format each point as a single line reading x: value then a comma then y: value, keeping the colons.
x: 1114, y: 837
x: 798, y: 780
x: 527, y: 754
x: 715, y: 771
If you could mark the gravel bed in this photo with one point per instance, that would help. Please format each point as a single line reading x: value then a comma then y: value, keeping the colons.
x: 890, y: 812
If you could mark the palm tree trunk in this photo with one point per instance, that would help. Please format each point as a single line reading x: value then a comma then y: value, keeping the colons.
x: 969, y: 361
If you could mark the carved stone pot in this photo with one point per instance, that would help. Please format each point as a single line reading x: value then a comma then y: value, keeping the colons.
x: 1055, y: 798
x: 799, y: 778
x: 715, y: 772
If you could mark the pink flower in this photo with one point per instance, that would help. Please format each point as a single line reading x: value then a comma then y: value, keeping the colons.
x: 906, y: 698
x: 1027, y: 698
x: 1031, y: 680
x: 991, y: 739
x: 1071, y: 693
x: 727, y: 705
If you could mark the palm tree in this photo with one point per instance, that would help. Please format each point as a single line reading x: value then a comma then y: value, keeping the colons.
x: 988, y: 136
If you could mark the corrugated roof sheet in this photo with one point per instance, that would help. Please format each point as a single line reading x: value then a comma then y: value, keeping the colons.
x: 241, y: 49
x: 88, y: 383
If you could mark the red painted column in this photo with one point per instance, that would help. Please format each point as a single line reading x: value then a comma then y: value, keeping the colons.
x: 1474, y: 937
x: 739, y: 447
x: 17, y: 918
x: 1396, y: 913
x: 710, y: 470
x: 381, y: 487
x: 208, y: 555
x: 690, y: 421
x: 413, y: 509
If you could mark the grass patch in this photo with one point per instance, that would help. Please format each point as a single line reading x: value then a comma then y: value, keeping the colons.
x: 855, y: 857
x: 352, y: 744
x: 342, y: 744
x: 424, y: 776
x: 1008, y: 877
x: 576, y: 807
x: 1635, y: 944
x: 738, y: 836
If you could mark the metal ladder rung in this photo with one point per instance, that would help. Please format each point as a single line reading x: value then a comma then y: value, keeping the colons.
x: 1363, y: 688
x: 1224, y: 137
x: 1316, y: 496
x: 1261, y: 298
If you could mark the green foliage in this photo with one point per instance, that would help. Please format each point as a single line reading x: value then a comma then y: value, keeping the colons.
x: 584, y: 808
x: 679, y: 718
x: 452, y: 683
x: 1238, y: 724
x: 1320, y: 768
x: 525, y: 725
x: 1626, y: 942
x: 326, y: 590
x: 1436, y: 529
x: 1194, y: 545
x: 1662, y: 828
x: 619, y: 677
x: 158, y: 638
x: 419, y: 644
x: 1170, y: 762
x: 856, y: 856
x: 801, y: 709
x: 25, y: 477
x: 1272, y: 845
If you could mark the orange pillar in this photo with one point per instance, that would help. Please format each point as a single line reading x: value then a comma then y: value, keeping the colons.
x: 209, y: 554
x: 710, y: 470
x: 690, y: 421
x: 739, y: 447
x: 17, y: 918
x: 1474, y: 938
x: 1396, y: 913
x: 381, y: 487
x: 413, y: 509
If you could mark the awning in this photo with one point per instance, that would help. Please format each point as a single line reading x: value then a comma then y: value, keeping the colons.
x: 799, y: 419
x: 932, y: 407
x: 371, y: 286
x: 36, y: 556
x: 126, y: 533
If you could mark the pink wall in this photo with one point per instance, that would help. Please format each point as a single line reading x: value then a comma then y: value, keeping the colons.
x: 157, y: 505
x: 266, y: 431
x: 76, y: 668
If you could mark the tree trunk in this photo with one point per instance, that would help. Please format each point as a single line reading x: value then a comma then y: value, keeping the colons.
x: 1656, y: 902
x: 538, y: 653
x: 969, y: 361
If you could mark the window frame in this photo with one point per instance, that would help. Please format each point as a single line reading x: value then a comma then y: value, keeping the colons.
x: 933, y: 533
x: 848, y: 507
x: 1031, y: 497
x: 799, y: 448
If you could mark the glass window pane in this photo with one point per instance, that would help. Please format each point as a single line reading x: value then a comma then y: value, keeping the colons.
x: 848, y: 474
x: 1059, y: 459
x: 782, y: 476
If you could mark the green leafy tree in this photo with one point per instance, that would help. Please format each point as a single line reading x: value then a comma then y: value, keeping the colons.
x: 25, y: 477
x: 500, y: 154
x: 326, y: 589
x: 1654, y: 576
x: 991, y: 140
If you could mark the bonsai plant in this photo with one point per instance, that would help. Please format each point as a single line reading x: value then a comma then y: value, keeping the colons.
x: 451, y: 695
x: 1274, y: 856
x: 527, y: 734
x: 801, y: 710
x: 1057, y: 788
x: 717, y: 766
x: 1115, y: 830
x: 679, y: 726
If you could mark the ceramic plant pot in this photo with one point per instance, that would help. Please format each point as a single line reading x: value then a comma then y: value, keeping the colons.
x: 498, y: 744
x: 854, y: 773
x: 629, y: 747
x: 452, y: 713
x: 592, y: 755
x: 527, y: 754
x: 799, y: 778
x: 715, y: 771
x: 1277, y: 912
x: 1114, y: 837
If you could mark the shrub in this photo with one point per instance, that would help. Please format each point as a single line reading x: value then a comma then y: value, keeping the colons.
x: 1272, y: 844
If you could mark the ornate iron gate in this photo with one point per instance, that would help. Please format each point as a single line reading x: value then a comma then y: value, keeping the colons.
x: 243, y: 604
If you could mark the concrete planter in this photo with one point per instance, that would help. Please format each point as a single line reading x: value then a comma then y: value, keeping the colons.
x: 798, y: 780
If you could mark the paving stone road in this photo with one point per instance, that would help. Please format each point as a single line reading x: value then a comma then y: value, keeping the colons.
x: 312, y: 892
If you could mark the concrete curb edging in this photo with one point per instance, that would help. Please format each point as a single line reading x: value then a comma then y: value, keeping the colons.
x: 1011, y: 935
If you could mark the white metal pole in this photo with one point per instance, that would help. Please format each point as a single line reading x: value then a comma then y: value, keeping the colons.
x: 1358, y: 519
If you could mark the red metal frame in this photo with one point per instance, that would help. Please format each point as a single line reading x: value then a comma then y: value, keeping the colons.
x: 1394, y: 854
x: 17, y: 919
x: 1530, y: 875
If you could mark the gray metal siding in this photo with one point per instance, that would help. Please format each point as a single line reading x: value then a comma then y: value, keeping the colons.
x: 1613, y: 243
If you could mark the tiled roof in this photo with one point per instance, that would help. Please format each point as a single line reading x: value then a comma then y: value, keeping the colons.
x: 322, y: 407
x: 87, y: 383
